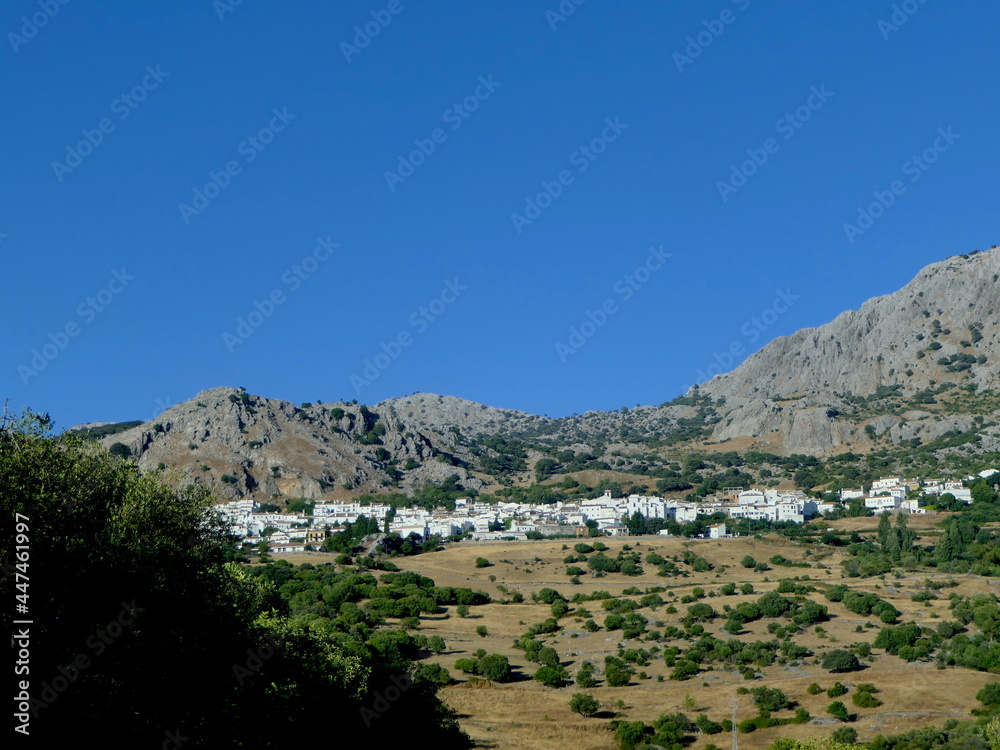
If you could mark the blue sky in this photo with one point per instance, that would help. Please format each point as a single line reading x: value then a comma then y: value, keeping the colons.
x: 438, y: 206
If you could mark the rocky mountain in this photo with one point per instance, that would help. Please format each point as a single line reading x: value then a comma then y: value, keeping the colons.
x: 239, y: 443
x: 889, y: 366
x: 919, y: 367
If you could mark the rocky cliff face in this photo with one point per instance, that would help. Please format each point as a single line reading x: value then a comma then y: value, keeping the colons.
x: 908, y: 368
x: 238, y: 443
x: 943, y: 327
x: 443, y: 414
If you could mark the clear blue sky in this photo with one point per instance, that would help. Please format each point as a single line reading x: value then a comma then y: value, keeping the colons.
x: 201, y: 81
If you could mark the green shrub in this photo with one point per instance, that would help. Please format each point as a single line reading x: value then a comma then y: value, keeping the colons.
x: 836, y: 691
x: 552, y: 676
x: 583, y: 704
x: 838, y: 711
x: 865, y: 700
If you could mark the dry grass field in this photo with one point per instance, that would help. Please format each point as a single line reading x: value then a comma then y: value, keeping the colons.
x: 525, y: 714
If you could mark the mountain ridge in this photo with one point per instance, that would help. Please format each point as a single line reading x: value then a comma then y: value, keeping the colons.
x: 907, y: 368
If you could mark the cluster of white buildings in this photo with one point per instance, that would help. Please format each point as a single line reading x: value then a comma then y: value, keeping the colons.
x: 293, y: 532
x: 890, y: 493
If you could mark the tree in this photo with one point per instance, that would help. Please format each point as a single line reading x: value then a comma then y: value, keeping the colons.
x: 263, y: 550
x: 671, y: 730
x: 983, y: 493
x: 482, y: 562
x: 436, y: 644
x: 120, y: 449
x: 989, y: 696
x: 494, y: 667
x: 545, y: 467
x: 585, y: 677
x: 199, y: 642
x: 548, y: 656
x: 481, y: 631
x: 769, y: 699
x: 839, y: 660
x: 884, y: 530
x: 748, y: 561
x: 630, y: 733
x: 838, y: 711
x: 617, y: 673
x: 583, y: 704
x: 469, y: 666
x: 552, y: 676
x: 433, y: 673
x: 865, y: 700
x: 847, y: 735
x: 462, y: 610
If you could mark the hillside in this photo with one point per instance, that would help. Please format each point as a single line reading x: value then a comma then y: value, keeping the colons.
x: 239, y: 443
x: 918, y: 368
x: 898, y: 357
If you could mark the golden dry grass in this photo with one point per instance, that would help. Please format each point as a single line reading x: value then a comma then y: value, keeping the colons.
x: 525, y: 714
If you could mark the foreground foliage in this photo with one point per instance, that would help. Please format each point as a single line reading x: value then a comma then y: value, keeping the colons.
x: 199, y: 647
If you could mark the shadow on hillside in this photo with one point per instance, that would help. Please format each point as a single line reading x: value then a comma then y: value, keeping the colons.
x: 517, y: 675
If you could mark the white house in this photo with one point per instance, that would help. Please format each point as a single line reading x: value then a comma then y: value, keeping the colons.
x: 885, y: 483
x: 717, y: 531
x: 614, y: 529
x: 405, y: 529
x: 881, y: 503
x: 964, y: 494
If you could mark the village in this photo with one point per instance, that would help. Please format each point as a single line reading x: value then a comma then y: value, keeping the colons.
x: 475, y: 520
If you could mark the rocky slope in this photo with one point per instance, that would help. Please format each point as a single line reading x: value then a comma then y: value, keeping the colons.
x: 913, y: 367
x: 238, y: 443
x: 943, y: 327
